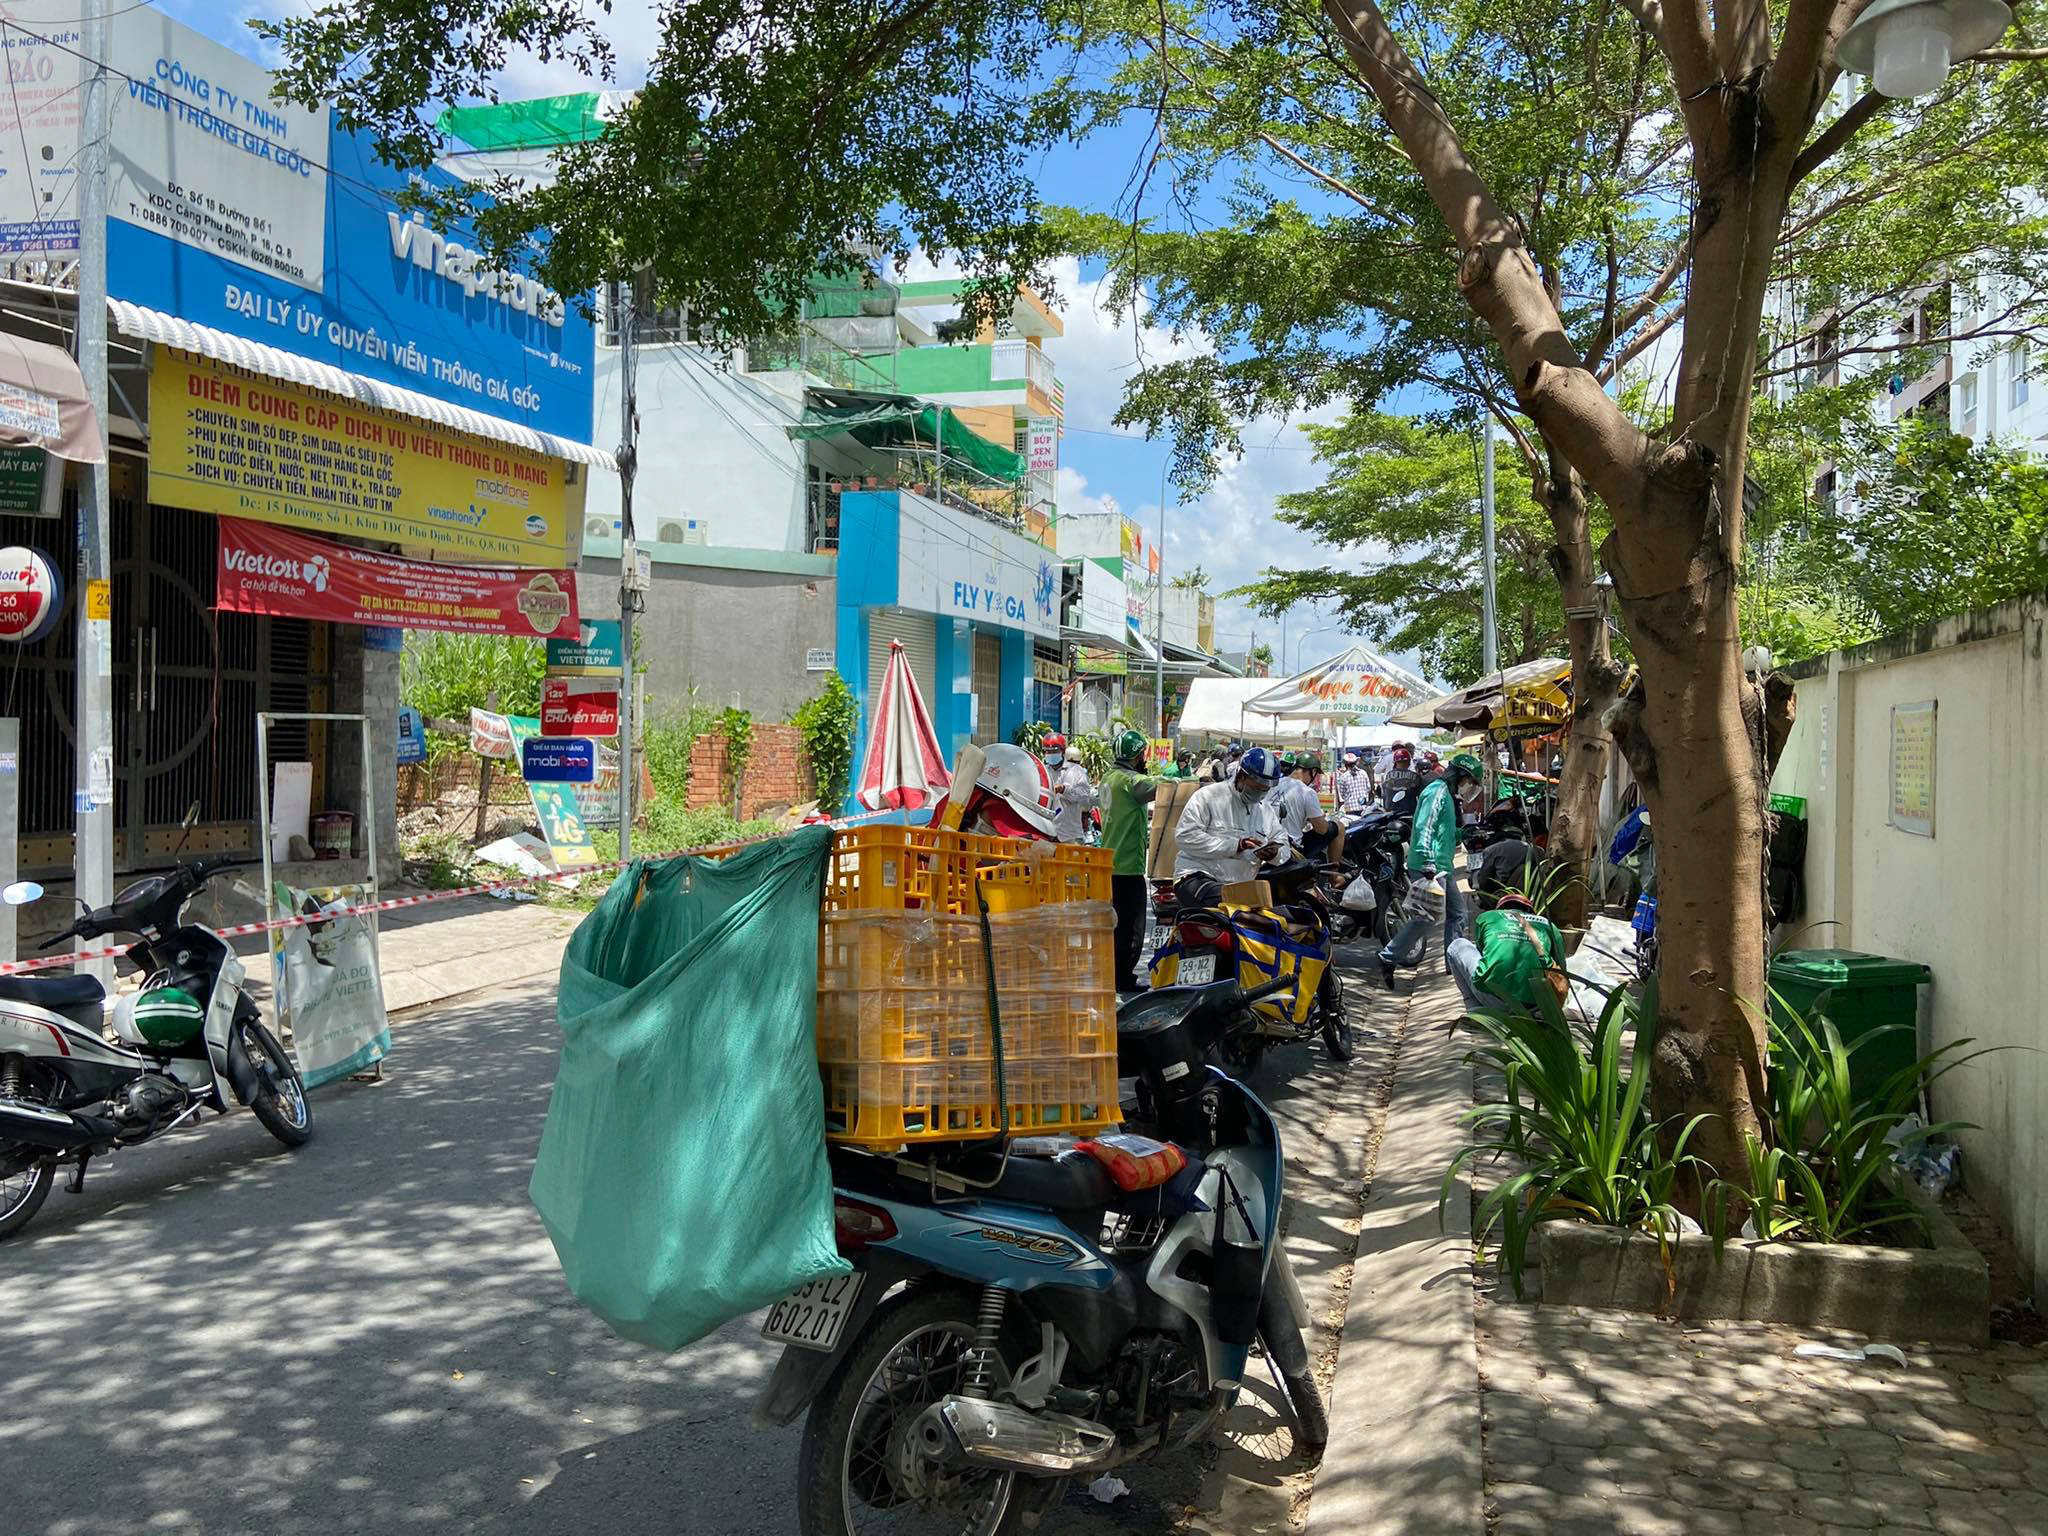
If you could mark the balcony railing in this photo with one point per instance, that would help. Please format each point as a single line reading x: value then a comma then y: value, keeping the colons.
x: 1038, y: 370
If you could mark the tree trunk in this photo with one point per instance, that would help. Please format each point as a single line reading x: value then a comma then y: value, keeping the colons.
x: 1596, y: 683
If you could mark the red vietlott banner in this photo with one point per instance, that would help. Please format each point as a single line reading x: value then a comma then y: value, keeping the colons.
x: 267, y: 569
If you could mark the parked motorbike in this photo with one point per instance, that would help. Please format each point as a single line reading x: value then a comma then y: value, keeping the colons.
x: 184, y: 1040
x: 1375, y: 846
x: 1211, y: 942
x: 1014, y: 1321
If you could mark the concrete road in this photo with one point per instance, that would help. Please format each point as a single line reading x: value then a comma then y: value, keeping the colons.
x: 371, y: 1335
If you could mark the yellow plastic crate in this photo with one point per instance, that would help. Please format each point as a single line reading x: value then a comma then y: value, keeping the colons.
x: 883, y: 1106
x: 862, y: 950
x: 894, y: 869
x: 1072, y: 946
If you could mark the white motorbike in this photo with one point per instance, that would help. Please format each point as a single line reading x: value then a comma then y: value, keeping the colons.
x: 180, y: 1044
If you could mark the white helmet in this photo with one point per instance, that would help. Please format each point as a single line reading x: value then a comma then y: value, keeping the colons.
x: 1020, y: 781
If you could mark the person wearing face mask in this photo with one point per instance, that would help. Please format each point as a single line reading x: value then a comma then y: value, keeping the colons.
x: 1073, y: 797
x: 1433, y: 850
x: 1226, y: 832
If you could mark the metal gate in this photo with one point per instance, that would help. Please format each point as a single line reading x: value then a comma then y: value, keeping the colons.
x: 187, y: 683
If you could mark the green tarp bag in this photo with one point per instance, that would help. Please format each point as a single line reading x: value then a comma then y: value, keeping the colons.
x: 682, y: 1174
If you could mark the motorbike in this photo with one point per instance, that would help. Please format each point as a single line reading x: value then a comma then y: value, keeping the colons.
x: 1014, y: 1320
x: 1210, y: 940
x: 1375, y: 846
x: 183, y: 1042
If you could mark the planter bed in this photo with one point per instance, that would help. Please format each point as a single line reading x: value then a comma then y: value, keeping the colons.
x: 1940, y: 1293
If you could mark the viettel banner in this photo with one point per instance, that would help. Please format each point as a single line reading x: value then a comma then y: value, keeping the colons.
x: 264, y: 569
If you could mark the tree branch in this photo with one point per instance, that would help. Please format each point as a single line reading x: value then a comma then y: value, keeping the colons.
x: 2002, y: 55
x: 1644, y: 306
x: 1495, y: 272
x: 1680, y: 29
x: 1836, y: 134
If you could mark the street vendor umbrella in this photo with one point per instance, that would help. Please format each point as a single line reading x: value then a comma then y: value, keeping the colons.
x: 1531, y: 693
x: 1355, y: 687
x: 903, y: 768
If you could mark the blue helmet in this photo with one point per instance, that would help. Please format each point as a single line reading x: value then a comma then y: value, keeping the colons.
x: 1260, y: 764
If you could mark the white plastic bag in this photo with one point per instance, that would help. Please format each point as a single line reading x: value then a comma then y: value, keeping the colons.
x: 1358, y: 896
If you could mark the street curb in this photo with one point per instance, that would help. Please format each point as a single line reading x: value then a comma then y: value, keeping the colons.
x: 1404, y: 1454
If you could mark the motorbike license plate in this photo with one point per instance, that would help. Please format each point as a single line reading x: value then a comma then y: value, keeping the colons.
x: 1197, y: 970
x: 813, y: 1316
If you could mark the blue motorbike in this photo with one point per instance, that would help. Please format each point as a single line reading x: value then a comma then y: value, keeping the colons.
x: 1015, y: 1320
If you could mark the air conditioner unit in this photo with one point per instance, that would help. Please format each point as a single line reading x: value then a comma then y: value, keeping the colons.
x: 601, y: 528
x: 682, y: 530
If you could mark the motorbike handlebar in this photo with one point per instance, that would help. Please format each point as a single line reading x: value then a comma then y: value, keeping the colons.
x: 1266, y: 989
x: 75, y: 931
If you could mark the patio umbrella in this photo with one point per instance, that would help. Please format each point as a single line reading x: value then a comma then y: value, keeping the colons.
x: 1531, y: 693
x: 903, y: 768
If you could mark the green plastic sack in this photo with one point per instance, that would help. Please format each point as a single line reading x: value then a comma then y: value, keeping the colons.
x: 682, y: 1173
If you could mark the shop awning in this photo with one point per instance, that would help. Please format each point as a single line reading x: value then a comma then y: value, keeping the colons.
x: 43, y: 403
x: 1215, y: 708
x: 900, y: 421
x: 1531, y: 693
x: 168, y: 330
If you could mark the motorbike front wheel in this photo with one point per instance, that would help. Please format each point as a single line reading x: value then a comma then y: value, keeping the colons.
x: 280, y: 1097
x: 22, y: 1194
x: 1337, y: 1038
x: 1288, y: 1353
x: 859, y: 1470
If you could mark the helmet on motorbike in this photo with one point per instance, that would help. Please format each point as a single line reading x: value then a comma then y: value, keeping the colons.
x: 1015, y: 782
x: 1465, y: 763
x: 1130, y: 747
x: 1260, y: 764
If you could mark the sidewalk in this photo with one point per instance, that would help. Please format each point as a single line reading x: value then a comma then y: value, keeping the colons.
x: 429, y: 954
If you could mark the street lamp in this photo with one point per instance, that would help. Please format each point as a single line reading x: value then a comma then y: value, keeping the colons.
x: 1303, y: 640
x: 1906, y: 46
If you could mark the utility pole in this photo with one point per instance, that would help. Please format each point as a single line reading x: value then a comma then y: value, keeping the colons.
x: 1489, y: 639
x: 1159, y: 619
x: 630, y: 595
x: 93, y: 719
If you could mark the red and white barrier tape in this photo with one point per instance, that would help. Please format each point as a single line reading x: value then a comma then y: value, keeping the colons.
x: 115, y: 952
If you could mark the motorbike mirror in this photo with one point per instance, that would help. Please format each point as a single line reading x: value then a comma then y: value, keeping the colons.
x: 190, y: 821
x: 21, y: 893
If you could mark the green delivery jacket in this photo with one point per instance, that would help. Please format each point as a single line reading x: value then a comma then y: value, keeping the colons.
x: 1433, y: 840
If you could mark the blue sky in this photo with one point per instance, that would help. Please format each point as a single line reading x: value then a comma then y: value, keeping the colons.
x: 1229, y: 531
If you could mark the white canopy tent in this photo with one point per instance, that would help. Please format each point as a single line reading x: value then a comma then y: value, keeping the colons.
x: 1355, y: 687
x: 1216, y: 710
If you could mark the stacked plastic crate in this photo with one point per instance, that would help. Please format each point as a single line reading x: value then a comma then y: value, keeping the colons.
x: 904, y: 1040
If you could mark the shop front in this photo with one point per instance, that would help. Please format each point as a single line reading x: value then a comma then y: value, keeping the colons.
x: 967, y: 598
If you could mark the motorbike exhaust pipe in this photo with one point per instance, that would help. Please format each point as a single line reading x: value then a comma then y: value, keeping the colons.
x: 41, y: 1127
x: 984, y: 1433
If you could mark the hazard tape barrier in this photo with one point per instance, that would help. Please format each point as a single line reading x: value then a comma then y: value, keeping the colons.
x: 327, y: 914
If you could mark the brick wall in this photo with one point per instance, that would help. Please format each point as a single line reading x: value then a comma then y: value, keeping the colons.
x: 777, y: 774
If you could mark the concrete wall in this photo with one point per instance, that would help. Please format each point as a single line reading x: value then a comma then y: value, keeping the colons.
x: 1971, y: 901
x: 366, y: 683
x: 735, y: 635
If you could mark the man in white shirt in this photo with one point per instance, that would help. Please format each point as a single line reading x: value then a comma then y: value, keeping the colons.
x: 1298, y: 811
x: 1073, y: 797
x: 1354, y: 784
x: 1226, y: 832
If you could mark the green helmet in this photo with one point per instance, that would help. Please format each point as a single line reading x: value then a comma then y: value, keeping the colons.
x: 1465, y: 763
x: 1130, y: 747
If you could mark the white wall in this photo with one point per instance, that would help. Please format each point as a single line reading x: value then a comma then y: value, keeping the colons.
x: 1972, y: 901
x: 712, y: 446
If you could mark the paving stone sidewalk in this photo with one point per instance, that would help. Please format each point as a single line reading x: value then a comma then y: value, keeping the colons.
x: 1606, y: 1422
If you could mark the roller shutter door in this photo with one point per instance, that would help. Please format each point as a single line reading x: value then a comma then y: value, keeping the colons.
x: 919, y: 647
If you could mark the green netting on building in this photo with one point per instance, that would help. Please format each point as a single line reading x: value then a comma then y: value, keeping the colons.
x: 538, y: 124
x: 903, y: 423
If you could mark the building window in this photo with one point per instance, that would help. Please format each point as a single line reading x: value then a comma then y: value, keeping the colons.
x: 654, y: 324
x: 1966, y: 404
x: 2022, y: 366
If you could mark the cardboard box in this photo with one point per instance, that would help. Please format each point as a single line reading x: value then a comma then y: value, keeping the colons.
x: 1167, y: 805
x: 1248, y: 893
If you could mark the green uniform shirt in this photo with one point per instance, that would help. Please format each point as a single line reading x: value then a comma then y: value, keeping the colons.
x: 1127, y: 819
x: 1515, y: 949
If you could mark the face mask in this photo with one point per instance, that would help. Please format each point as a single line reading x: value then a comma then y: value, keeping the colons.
x: 1251, y: 792
x: 1054, y: 759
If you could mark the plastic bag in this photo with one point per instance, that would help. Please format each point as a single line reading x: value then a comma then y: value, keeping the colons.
x: 1358, y: 895
x: 682, y: 1174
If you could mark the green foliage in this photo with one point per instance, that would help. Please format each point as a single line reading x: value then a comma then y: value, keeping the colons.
x: 669, y: 826
x: 1031, y: 736
x: 668, y: 740
x: 1401, y: 503
x: 1817, y: 1174
x: 1094, y: 752
x: 894, y: 130
x: 1574, y: 1127
x: 737, y: 726
x: 440, y: 861
x: 445, y: 676
x: 827, y: 722
x: 1191, y: 581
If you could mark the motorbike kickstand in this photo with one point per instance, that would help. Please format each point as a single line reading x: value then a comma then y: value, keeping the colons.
x: 74, y: 1183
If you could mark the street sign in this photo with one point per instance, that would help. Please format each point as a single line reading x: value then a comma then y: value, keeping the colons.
x: 558, y: 760
x: 31, y: 594
x: 817, y: 661
x: 594, y: 650
x: 27, y: 487
x: 579, y: 706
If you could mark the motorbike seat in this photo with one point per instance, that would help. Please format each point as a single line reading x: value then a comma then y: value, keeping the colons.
x: 53, y: 992
x: 1071, y: 1182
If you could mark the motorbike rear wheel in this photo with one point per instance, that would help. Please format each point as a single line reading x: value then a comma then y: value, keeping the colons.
x: 22, y: 1195
x: 858, y: 1471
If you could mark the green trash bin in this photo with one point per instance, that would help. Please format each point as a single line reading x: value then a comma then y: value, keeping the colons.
x: 1865, y: 993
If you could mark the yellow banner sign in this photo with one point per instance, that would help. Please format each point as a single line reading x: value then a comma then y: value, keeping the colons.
x: 239, y: 444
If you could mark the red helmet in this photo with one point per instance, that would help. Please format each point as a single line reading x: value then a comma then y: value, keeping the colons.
x: 1054, y: 742
x: 1404, y: 749
x: 1015, y: 791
